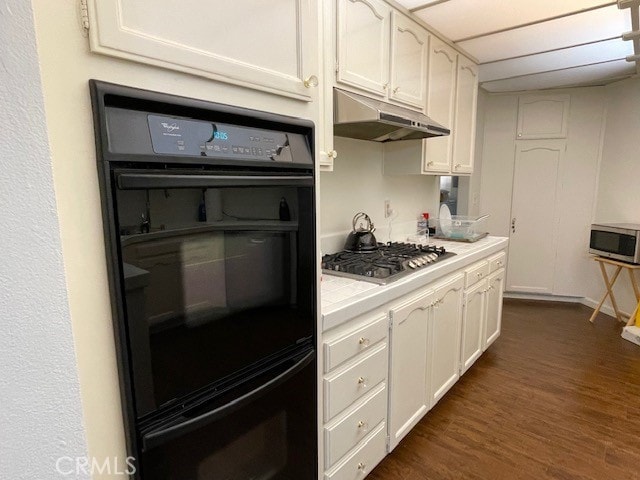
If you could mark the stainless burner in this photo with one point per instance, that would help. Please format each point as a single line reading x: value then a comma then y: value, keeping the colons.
x: 388, y: 263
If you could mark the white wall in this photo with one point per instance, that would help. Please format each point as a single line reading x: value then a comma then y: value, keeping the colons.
x: 357, y: 184
x: 574, y: 270
x: 618, y: 198
x: 40, y: 408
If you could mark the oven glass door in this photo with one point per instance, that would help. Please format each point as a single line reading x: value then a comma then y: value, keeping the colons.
x: 218, y: 276
x: 263, y: 429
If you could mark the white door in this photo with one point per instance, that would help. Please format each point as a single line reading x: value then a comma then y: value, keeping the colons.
x: 465, y: 121
x: 409, y: 396
x: 410, y: 50
x: 473, y: 324
x: 441, y: 104
x: 363, y: 44
x: 533, y: 232
x: 493, y: 320
x: 444, y: 338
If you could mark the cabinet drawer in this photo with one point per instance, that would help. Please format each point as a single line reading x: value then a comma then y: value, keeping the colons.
x: 349, y: 345
x: 343, y: 435
x: 475, y: 273
x: 344, y: 387
x: 363, y: 459
x: 497, y: 261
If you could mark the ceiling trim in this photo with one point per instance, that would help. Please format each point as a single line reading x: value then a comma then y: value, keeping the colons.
x: 554, y: 70
x: 535, y: 22
x: 427, y: 5
x: 525, y: 55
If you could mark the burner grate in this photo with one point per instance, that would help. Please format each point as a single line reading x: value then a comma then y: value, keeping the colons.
x: 389, y: 262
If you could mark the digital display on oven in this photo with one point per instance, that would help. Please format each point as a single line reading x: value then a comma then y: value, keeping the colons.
x: 176, y: 136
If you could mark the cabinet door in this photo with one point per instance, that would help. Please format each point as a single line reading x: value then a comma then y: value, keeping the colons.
x: 363, y: 44
x: 409, y: 53
x: 543, y: 116
x: 444, y: 341
x: 409, y: 396
x: 270, y: 46
x: 473, y: 324
x: 440, y: 105
x: 493, y: 320
x: 465, y: 116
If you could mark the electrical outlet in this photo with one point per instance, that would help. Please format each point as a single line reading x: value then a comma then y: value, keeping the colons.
x: 388, y: 211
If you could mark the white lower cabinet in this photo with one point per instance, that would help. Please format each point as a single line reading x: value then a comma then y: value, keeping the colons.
x: 408, y: 367
x: 474, y: 311
x: 364, y: 457
x: 384, y: 370
x: 355, y: 396
x: 494, y: 308
x: 482, y: 311
x: 444, y: 337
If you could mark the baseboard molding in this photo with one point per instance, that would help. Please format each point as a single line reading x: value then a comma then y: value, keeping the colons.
x: 542, y: 297
x: 588, y: 302
x: 606, y: 309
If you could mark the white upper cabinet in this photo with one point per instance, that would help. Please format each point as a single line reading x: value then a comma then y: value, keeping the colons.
x: 382, y: 52
x: 441, y: 105
x: 542, y: 116
x: 452, y: 94
x: 363, y: 44
x: 409, y: 54
x: 270, y: 46
x: 465, y: 118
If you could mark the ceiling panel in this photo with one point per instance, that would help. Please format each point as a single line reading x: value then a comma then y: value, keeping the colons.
x: 592, y: 74
x: 603, y: 23
x: 459, y: 19
x: 571, y: 57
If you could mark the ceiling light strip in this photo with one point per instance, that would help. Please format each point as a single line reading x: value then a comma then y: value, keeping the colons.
x: 535, y: 22
x: 533, y: 54
x: 555, y: 70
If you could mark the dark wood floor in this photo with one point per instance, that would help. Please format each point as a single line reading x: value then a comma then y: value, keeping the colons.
x: 554, y: 398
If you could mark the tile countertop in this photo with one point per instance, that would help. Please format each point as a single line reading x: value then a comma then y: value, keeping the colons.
x: 344, y: 298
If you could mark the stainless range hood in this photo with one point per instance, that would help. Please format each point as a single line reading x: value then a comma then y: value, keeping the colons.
x: 357, y: 116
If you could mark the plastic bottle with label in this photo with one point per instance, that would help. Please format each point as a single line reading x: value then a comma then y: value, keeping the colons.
x: 423, y: 226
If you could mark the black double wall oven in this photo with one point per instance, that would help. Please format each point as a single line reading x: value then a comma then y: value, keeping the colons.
x: 210, y: 233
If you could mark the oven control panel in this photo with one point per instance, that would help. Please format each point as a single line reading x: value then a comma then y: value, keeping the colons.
x: 175, y: 136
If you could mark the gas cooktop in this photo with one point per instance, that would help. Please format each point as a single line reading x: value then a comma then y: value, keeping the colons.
x: 387, y: 263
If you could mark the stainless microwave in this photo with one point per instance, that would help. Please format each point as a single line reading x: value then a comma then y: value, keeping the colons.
x: 619, y: 241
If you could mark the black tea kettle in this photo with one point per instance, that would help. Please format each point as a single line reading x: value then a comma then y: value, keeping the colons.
x: 361, y: 239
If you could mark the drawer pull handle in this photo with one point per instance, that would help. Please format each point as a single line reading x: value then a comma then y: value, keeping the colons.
x: 362, y: 382
x: 499, y: 262
x: 362, y: 425
x: 364, y: 341
x: 479, y: 274
x: 361, y: 467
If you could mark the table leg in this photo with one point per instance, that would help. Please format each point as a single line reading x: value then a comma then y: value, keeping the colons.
x: 634, y: 283
x: 609, y: 292
x: 610, y: 289
x: 632, y: 319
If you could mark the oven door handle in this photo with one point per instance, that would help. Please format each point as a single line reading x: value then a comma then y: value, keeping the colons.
x: 158, y: 437
x: 138, y: 181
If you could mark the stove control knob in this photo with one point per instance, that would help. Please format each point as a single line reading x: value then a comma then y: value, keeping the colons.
x: 427, y: 259
x: 434, y: 256
x: 412, y: 264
